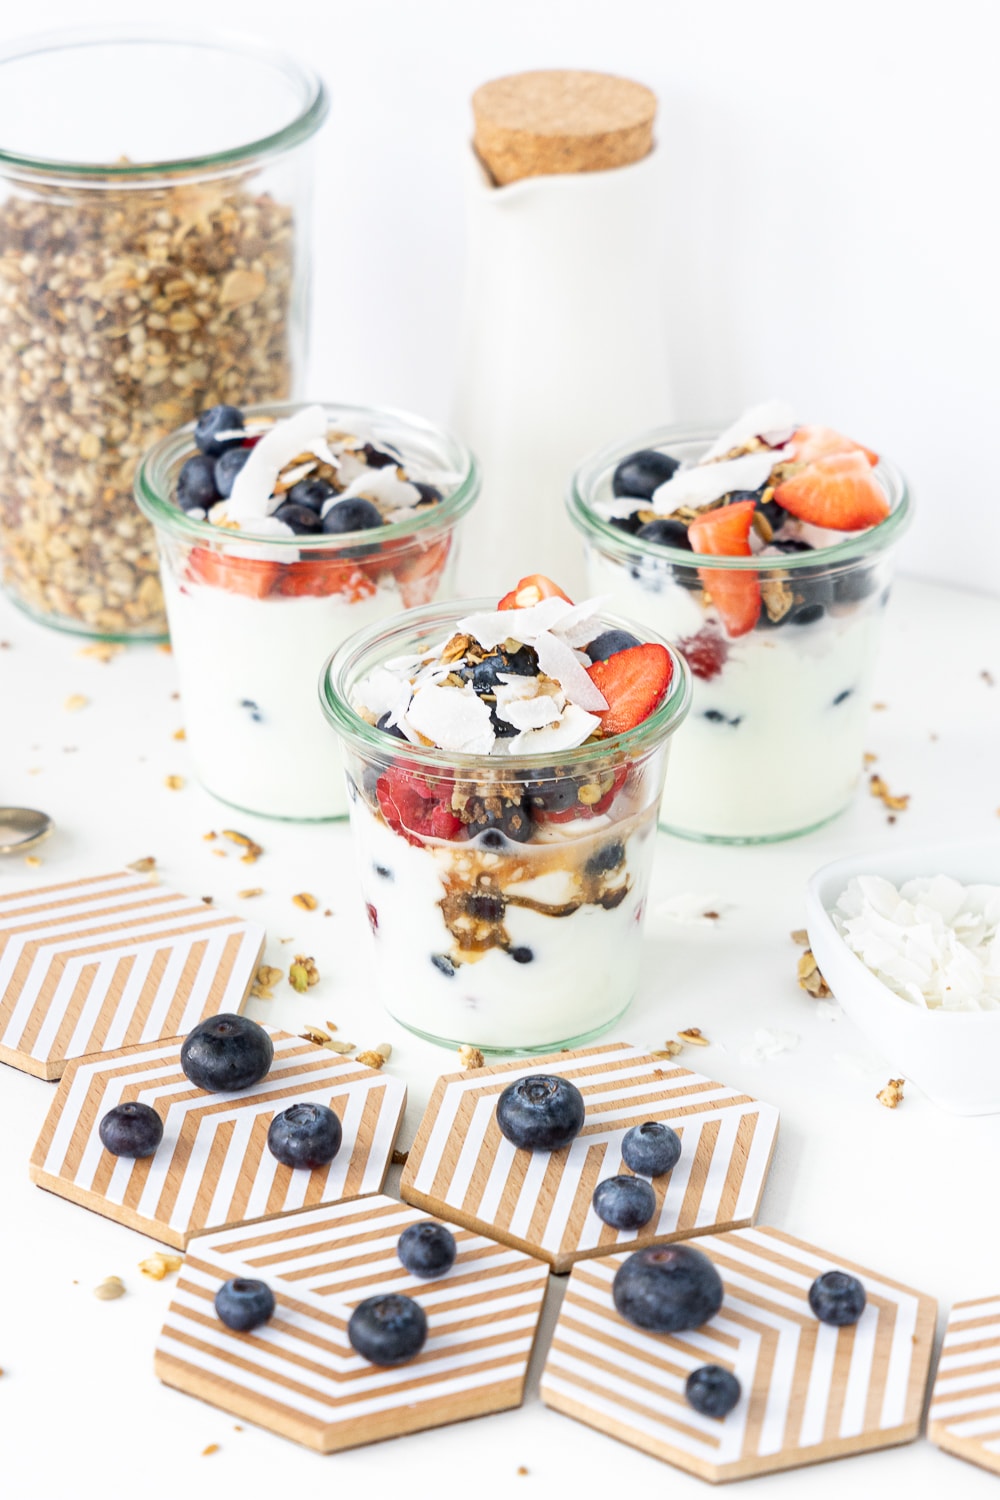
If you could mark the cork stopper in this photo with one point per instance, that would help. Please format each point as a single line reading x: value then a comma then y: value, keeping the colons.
x: 555, y: 121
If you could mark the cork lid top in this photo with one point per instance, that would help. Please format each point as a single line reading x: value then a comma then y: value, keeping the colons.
x: 557, y: 120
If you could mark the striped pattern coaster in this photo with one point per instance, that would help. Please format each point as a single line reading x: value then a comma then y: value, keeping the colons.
x: 212, y: 1169
x: 964, y: 1418
x: 809, y: 1391
x: 105, y: 962
x: 462, y: 1169
x: 298, y: 1374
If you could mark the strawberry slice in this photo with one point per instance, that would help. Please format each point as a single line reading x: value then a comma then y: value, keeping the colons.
x: 419, y: 572
x: 735, y: 594
x: 634, y: 682
x: 532, y: 590
x: 809, y: 443
x: 321, y: 578
x: 412, y: 807
x: 839, y: 492
x: 252, y: 576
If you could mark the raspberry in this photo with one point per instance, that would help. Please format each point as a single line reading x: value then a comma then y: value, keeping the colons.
x: 705, y: 653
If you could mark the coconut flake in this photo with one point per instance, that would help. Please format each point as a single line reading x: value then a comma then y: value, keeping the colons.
x: 491, y: 627
x: 530, y: 713
x: 453, y: 719
x: 618, y: 509
x: 303, y: 432
x: 769, y: 1042
x: 574, y: 727
x: 382, y: 692
x: 385, y: 486
x: 561, y: 662
x: 707, y: 482
x: 772, y: 421
x: 583, y: 621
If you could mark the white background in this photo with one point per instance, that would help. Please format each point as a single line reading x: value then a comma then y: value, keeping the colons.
x: 833, y: 214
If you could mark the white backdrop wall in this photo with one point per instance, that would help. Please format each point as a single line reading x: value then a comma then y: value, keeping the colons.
x: 833, y: 219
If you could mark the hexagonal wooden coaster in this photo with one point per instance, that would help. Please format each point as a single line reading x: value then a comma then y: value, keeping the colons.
x: 462, y: 1169
x: 809, y: 1391
x: 212, y: 1169
x: 298, y: 1374
x: 112, y: 960
x: 964, y: 1418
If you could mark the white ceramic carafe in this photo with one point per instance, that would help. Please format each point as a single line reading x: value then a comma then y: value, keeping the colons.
x: 563, y: 349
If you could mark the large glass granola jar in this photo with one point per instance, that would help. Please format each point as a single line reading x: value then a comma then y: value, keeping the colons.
x: 154, y: 231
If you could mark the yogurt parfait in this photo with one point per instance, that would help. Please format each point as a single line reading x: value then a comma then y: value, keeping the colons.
x: 281, y: 531
x: 763, y: 553
x: 505, y: 765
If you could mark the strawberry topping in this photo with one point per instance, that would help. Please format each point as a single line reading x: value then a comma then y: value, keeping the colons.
x: 252, y: 576
x: 735, y: 594
x: 839, y: 492
x: 532, y: 590
x: 809, y: 443
x: 634, y: 682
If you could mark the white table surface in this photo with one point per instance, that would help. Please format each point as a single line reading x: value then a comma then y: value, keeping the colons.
x: 912, y: 1192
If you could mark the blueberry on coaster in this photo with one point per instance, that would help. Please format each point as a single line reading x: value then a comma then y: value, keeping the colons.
x: 213, y: 422
x: 624, y: 1202
x: 196, y: 484
x: 225, y: 1053
x: 243, y: 1304
x: 651, y: 1149
x: 132, y: 1129
x: 427, y: 1250
x: 388, y: 1330
x: 642, y: 472
x: 667, y: 1288
x: 837, y: 1298
x: 542, y: 1112
x: 306, y: 1135
x: 712, y: 1391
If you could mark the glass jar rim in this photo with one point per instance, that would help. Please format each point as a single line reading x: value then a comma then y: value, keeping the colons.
x: 339, y: 670
x: 155, y: 474
x: 626, y: 547
x: 314, y: 105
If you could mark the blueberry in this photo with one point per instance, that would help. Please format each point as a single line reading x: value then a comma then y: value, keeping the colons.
x: 427, y: 1249
x: 609, y: 857
x: 792, y: 545
x: 774, y: 514
x: 624, y: 1202
x: 651, y: 1148
x: 665, y: 533
x: 522, y: 955
x: 542, y: 1112
x: 837, y: 1298
x: 378, y: 458
x: 131, y: 1130
x: 485, y: 906
x: 429, y: 493
x: 213, y: 421
x: 351, y: 515
x: 225, y: 1053
x: 502, y: 815
x: 301, y: 518
x: 196, y: 484
x: 609, y: 643
x: 312, y: 493
x: 306, y: 1135
x: 387, y: 728
x: 629, y: 524
x: 443, y: 962
x: 712, y: 1391
x: 855, y: 584
x: 520, y: 663
x: 388, y: 1330
x: 227, y: 467
x: 383, y: 872
x: 668, y: 1288
x: 555, y: 794
x: 252, y: 709
x: 642, y: 472
x: 842, y: 696
x: 243, y: 1304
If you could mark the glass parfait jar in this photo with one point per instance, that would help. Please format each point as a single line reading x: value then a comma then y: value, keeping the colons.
x: 154, y: 229
x: 252, y: 620
x: 504, y: 945
x: 774, y: 743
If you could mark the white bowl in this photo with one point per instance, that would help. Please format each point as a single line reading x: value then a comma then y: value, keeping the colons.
x: 953, y: 1056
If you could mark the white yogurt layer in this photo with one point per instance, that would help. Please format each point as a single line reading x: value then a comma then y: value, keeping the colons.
x: 584, y: 966
x: 773, y: 744
x: 249, y: 672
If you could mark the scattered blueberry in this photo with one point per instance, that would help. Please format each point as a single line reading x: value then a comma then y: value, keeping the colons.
x: 542, y: 1112
x: 712, y: 1391
x: 642, y: 472
x: 651, y: 1148
x: 312, y: 493
x: 387, y: 728
x: 351, y: 515
x: 213, y: 421
x: 227, y: 467
x: 522, y: 955
x: 383, y: 872
x: 716, y: 716
x: 443, y: 962
x: 305, y: 1135
x: 131, y: 1129
x: 837, y: 1298
x: 609, y: 857
x: 609, y: 643
x: 387, y: 1330
x: 427, y: 1249
x: 668, y: 1288
x: 301, y: 518
x: 665, y: 533
x: 252, y: 709
x: 225, y: 1053
x: 196, y: 484
x: 243, y: 1304
x: 842, y: 696
x: 429, y: 493
x: 624, y: 1202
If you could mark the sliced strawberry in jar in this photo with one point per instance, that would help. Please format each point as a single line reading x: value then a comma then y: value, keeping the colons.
x: 838, y: 492
x: 414, y: 808
x: 809, y: 443
x: 419, y: 570
x: 252, y: 576
x: 736, y: 594
x: 634, y: 682
x: 532, y: 590
x: 321, y: 578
